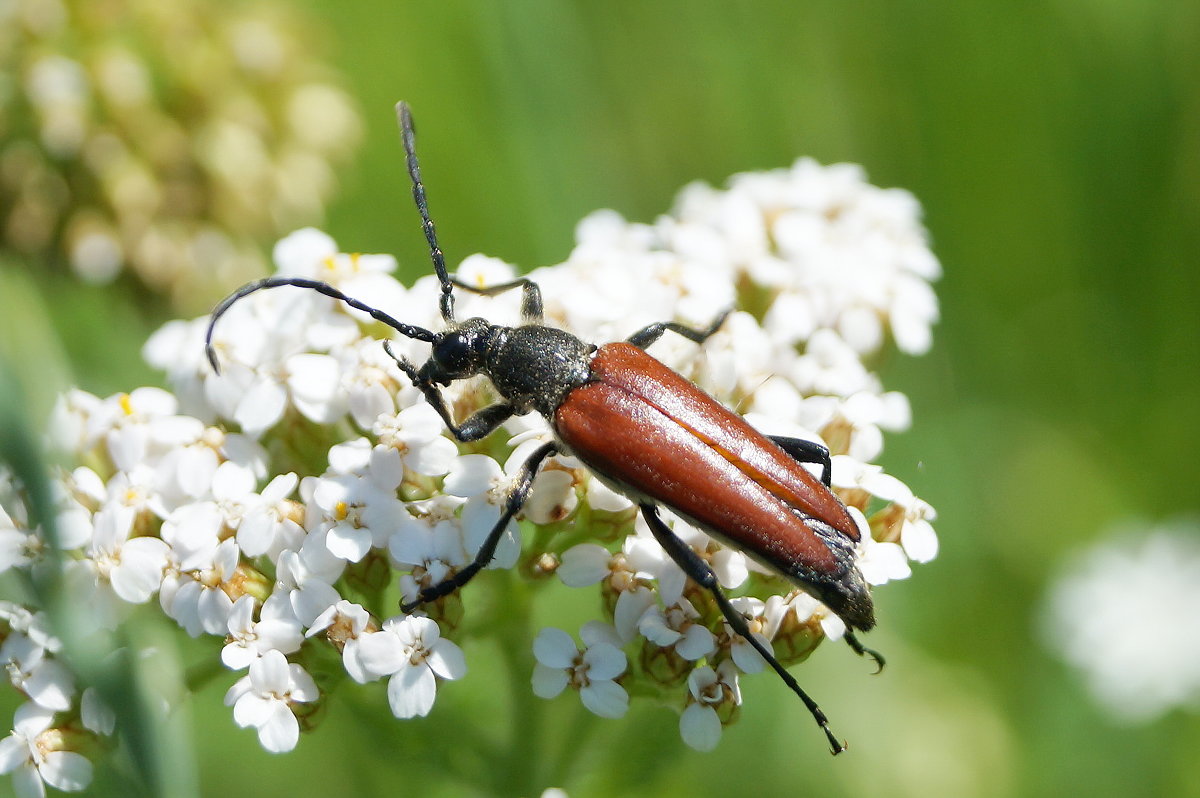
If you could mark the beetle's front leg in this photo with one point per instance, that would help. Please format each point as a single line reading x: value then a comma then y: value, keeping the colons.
x: 477, y: 426
x: 512, y: 505
x: 702, y: 574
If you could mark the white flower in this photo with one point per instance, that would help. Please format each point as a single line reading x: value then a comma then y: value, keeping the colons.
x: 118, y: 566
x: 263, y: 699
x: 46, y: 681
x: 592, y: 671
x: 1124, y: 612
x: 676, y: 626
x: 413, y: 652
x: 433, y: 549
x: 745, y: 655
x: 710, y: 693
x: 276, y: 630
x: 358, y: 510
x: 307, y: 576
x: 344, y: 624
x: 267, y: 526
x: 32, y: 753
x: 200, y: 604
x: 416, y: 433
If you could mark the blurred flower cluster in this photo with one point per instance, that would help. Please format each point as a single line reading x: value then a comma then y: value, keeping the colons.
x: 1135, y: 647
x: 171, y: 139
x: 288, y: 504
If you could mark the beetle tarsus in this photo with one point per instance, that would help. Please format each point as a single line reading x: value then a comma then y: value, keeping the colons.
x: 862, y: 651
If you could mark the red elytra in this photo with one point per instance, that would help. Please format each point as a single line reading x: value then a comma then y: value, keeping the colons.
x: 653, y: 435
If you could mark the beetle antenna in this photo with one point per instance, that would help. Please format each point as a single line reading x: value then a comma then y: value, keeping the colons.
x: 408, y: 330
x: 407, y: 137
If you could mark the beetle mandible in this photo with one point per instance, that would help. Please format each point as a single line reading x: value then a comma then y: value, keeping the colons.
x: 644, y: 431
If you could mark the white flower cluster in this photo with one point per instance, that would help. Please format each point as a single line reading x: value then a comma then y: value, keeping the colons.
x: 1123, y: 613
x: 272, y: 505
x: 170, y: 140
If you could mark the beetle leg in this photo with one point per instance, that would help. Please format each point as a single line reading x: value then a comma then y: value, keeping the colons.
x: 806, y: 452
x: 862, y: 651
x: 477, y: 426
x: 700, y: 572
x: 652, y: 332
x: 512, y: 504
x: 531, y: 296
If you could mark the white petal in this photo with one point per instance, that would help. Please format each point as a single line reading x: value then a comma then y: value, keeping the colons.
x: 256, y: 532
x: 236, y: 656
x: 604, y: 661
x: 548, y: 682
x: 304, y: 689
x: 605, y: 698
x: 472, y: 475
x: 280, y: 731
x: 554, y: 648
x: 195, y: 470
x: 583, y: 565
x: 214, y: 608
x: 260, y: 407
x: 447, y: 660
x: 381, y: 653
x: 348, y: 542
x: 411, y: 691
x: 14, y: 752
x: 51, y: 685
x: 700, y: 727
x: 252, y: 709
x: 96, y: 715
x: 919, y: 540
x: 269, y: 674
x: 66, y: 771
x: 697, y: 642
x: 654, y: 628
x: 27, y: 783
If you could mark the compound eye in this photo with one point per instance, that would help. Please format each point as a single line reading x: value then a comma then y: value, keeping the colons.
x: 453, y: 353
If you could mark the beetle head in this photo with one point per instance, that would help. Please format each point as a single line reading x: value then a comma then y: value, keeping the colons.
x: 460, y: 352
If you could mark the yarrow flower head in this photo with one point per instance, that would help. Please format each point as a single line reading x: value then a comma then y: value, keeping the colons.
x: 165, y: 141
x: 1123, y: 614
x: 288, y: 504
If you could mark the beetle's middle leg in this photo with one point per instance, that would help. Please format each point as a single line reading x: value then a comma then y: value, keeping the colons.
x: 652, y: 332
x: 702, y: 574
x: 531, y: 296
x: 512, y: 505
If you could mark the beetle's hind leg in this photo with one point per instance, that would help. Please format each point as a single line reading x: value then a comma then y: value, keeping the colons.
x: 862, y: 651
x: 805, y: 451
x: 652, y: 332
x: 702, y: 574
x: 512, y: 505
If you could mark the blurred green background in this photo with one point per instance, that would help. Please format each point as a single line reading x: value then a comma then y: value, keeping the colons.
x: 1055, y: 147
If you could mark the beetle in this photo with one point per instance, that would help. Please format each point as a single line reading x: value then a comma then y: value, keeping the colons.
x: 641, y: 429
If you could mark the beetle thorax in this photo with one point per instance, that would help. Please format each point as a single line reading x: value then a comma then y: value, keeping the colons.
x: 535, y: 367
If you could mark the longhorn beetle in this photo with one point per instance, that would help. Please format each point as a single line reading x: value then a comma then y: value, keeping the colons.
x: 644, y: 431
